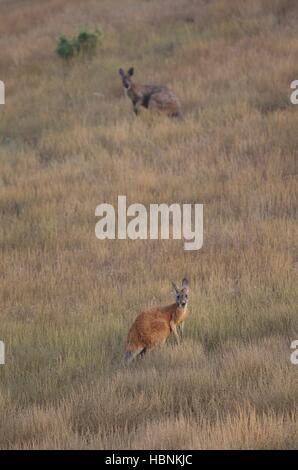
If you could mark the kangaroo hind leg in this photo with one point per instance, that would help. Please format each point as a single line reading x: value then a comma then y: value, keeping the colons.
x: 143, y: 352
x: 131, y: 355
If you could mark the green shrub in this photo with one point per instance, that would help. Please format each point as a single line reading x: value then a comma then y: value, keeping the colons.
x: 65, y: 48
x: 82, y: 45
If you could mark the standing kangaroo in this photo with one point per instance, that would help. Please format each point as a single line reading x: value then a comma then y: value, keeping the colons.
x: 152, y: 327
x: 150, y: 96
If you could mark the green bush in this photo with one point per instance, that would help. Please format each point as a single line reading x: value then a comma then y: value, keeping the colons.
x: 82, y: 45
x: 65, y: 48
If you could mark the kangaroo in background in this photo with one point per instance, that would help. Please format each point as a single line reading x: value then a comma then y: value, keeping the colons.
x: 150, y: 96
x: 152, y: 327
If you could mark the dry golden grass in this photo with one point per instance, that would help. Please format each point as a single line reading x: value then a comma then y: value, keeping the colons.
x: 68, y: 299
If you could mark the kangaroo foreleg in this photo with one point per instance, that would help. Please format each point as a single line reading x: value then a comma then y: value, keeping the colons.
x: 181, y: 329
x: 174, y: 330
x: 136, y: 106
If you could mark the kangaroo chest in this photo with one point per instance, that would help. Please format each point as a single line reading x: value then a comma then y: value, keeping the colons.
x: 131, y: 93
x: 180, y: 315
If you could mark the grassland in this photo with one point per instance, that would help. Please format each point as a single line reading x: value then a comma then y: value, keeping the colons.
x: 67, y: 299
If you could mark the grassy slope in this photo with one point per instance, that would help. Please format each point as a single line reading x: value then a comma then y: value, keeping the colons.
x: 68, y: 299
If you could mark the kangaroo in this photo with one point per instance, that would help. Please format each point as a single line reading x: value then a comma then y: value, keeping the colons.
x: 150, y: 96
x: 152, y: 327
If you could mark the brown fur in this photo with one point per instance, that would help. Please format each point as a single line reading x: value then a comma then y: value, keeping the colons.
x: 152, y: 327
x: 161, y: 98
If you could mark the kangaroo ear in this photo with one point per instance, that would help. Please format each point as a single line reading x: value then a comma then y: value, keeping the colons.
x: 121, y: 73
x: 175, y: 287
x: 184, y: 283
x: 131, y: 71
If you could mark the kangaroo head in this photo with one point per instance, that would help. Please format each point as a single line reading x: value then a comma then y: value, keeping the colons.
x: 182, y: 294
x: 126, y: 77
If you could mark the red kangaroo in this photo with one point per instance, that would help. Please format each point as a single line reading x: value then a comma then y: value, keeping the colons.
x: 152, y: 327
